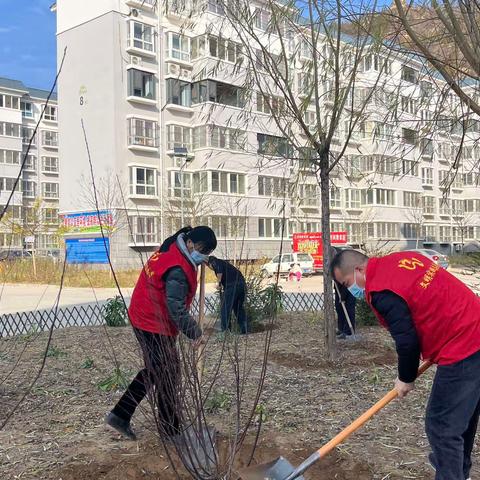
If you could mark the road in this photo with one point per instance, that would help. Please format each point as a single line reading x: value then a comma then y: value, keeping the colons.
x: 23, y: 298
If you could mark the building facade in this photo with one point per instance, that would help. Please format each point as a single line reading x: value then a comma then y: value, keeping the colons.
x: 32, y: 219
x: 164, y: 114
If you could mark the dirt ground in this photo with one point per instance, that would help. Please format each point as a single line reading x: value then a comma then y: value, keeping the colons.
x: 58, y: 431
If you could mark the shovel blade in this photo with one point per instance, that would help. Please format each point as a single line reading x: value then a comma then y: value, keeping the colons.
x: 278, y: 469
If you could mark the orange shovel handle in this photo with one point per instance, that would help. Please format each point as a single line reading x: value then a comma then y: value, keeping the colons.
x: 354, y: 426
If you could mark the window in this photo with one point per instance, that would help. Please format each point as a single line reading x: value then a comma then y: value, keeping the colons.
x: 429, y: 233
x: 469, y: 179
x: 223, y: 93
x: 143, y: 181
x: 428, y: 205
x: 219, y: 137
x: 272, y: 187
x: 270, y: 104
x: 377, y: 63
x: 50, y: 113
x: 198, y: 45
x: 444, y: 204
x: 427, y: 176
x: 9, y: 101
x: 141, y: 84
x: 47, y: 241
x: 426, y: 147
x: 220, y: 226
x: 385, y: 197
x: 271, y: 145
x: 179, y: 136
x: 10, y: 129
x: 411, y: 230
x: 335, y: 197
x: 27, y: 109
x: 387, y: 230
x: 270, y: 227
x: 306, y: 50
x: 180, y: 184
x: 353, y: 198
x: 142, y: 132
x: 472, y: 206
x: 224, y: 182
x: 27, y: 135
x: 411, y: 199
x: 445, y: 234
x: 10, y: 157
x: 141, y: 36
x: 50, y: 190
x: 262, y: 19
x: 216, y: 6
x: 29, y: 188
x: 409, y: 105
x: 144, y: 230
x: 409, y: 74
x: 178, y: 47
x: 49, y: 138
x: 200, y: 182
x: 410, y: 167
x: 409, y: 136
x: 179, y: 92
x: 7, y: 184
x: 30, y: 163
x: 50, y: 164
x: 223, y: 49
x: 50, y: 216
x: 308, y: 195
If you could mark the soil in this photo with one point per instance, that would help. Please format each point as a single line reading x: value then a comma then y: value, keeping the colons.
x: 58, y: 431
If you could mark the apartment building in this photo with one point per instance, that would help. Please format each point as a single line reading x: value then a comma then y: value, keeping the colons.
x: 32, y: 217
x: 169, y: 133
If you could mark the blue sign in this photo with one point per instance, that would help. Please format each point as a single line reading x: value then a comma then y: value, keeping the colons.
x: 87, y: 250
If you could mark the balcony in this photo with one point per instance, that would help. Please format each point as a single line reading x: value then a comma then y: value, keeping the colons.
x: 17, y: 198
x: 145, y: 4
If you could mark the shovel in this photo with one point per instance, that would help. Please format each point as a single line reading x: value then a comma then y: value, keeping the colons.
x: 282, y: 469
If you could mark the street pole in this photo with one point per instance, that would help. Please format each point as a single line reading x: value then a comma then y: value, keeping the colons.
x: 181, y: 194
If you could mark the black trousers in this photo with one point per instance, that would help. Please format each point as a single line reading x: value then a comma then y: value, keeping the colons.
x: 160, y: 377
x: 342, y: 322
x: 232, y: 301
x: 452, y: 417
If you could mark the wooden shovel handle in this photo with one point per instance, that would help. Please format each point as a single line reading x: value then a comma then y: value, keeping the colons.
x: 201, y: 319
x: 364, y: 417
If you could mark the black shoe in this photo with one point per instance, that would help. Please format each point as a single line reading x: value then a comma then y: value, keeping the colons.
x: 120, y: 425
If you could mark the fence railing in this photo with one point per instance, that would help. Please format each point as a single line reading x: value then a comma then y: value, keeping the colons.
x: 91, y: 314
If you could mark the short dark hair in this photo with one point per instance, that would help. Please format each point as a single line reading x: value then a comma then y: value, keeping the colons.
x: 346, y: 259
x: 204, y: 237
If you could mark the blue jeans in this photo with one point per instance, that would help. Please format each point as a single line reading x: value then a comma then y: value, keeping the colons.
x: 232, y: 301
x: 452, y: 417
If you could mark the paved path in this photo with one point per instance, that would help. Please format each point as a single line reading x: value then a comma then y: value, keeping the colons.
x: 22, y: 297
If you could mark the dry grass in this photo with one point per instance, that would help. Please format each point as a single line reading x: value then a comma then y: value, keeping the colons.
x: 49, y: 272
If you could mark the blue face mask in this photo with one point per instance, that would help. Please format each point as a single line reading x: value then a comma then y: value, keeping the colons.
x: 355, y: 290
x: 198, y: 258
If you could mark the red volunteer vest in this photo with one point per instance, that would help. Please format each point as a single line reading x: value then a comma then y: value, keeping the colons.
x: 148, y: 307
x: 446, y: 313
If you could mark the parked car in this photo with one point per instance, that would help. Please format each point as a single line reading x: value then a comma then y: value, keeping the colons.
x: 10, y: 255
x: 433, y: 255
x: 282, y: 263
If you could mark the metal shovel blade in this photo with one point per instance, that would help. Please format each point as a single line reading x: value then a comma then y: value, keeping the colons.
x: 200, y: 449
x: 278, y: 469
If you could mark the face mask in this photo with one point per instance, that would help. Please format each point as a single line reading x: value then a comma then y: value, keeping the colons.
x: 198, y: 258
x: 355, y: 290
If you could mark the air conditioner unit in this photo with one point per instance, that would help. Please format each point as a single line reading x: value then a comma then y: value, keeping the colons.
x: 134, y: 12
x: 173, y: 69
x: 186, y: 73
x: 135, y: 60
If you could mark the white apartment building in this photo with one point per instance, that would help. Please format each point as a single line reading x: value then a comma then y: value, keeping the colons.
x: 170, y: 134
x: 20, y: 110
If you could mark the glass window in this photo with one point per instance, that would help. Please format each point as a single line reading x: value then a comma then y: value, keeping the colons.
x: 143, y: 181
x: 50, y: 190
x: 179, y: 92
x: 141, y: 36
x: 142, y: 132
x: 141, y: 84
x: 27, y: 109
x: 50, y: 164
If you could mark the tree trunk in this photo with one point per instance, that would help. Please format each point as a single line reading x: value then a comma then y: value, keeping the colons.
x: 328, y: 302
x: 34, y: 263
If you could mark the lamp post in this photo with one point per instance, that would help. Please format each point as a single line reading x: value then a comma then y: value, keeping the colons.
x: 182, y: 153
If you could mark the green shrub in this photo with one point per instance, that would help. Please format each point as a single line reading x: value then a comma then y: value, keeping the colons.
x: 217, y: 401
x: 466, y: 260
x: 115, y: 312
x: 55, y: 352
x: 364, y: 314
x: 88, y: 363
x: 118, y: 380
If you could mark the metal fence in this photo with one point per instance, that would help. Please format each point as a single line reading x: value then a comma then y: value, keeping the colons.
x: 91, y: 314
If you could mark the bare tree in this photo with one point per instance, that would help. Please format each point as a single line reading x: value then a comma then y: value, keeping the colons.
x: 416, y: 218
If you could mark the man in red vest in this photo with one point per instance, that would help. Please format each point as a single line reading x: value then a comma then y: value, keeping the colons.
x: 431, y: 313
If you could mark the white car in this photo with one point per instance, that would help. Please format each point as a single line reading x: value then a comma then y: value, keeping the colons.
x: 434, y: 256
x: 283, y: 264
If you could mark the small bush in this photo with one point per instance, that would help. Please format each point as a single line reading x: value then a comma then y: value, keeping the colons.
x: 219, y: 400
x: 364, y: 314
x: 88, y: 363
x: 118, y: 380
x: 55, y: 352
x: 115, y: 312
x: 471, y: 260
